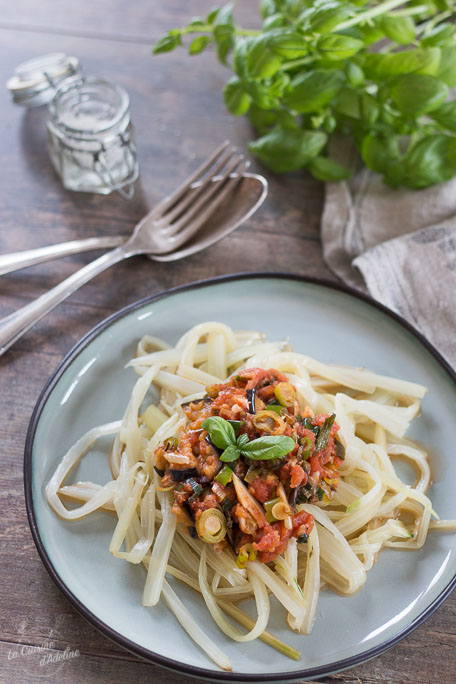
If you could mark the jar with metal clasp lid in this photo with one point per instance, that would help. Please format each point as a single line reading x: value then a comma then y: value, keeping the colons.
x: 91, y: 141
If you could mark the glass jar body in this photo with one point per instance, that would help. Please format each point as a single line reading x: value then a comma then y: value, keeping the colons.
x: 91, y: 138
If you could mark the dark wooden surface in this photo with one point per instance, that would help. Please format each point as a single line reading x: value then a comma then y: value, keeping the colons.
x: 179, y: 118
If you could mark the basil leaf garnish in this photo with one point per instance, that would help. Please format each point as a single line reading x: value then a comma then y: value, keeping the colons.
x: 242, y: 440
x: 220, y: 431
x: 222, y: 434
x: 231, y: 453
x: 236, y: 425
x: 271, y: 446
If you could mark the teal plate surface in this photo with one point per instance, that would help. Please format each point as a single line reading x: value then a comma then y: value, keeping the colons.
x: 92, y: 386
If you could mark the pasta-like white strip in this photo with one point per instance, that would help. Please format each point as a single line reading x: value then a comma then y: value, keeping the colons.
x: 249, y: 352
x: 127, y: 511
x: 395, y: 419
x: 71, y: 458
x: 311, y: 587
x: 284, y: 594
x: 336, y: 551
x: 216, y: 355
x: 130, y: 433
x: 181, y: 385
x: 193, y: 629
x: 448, y: 525
x: 418, y: 458
x: 82, y: 492
x: 261, y: 598
x: 221, y: 563
x: 160, y: 554
x: 191, y: 339
x: 367, y: 506
x: 149, y: 343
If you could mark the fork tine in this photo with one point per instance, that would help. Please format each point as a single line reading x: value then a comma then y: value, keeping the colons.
x: 210, y: 189
x: 169, y: 200
x: 179, y: 207
x: 229, y: 183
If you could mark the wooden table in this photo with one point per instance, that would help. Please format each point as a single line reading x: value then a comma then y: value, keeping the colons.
x: 179, y: 118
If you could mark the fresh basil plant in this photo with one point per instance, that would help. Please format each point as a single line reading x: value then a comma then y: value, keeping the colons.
x: 378, y: 72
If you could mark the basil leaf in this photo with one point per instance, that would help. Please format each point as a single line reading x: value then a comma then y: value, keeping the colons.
x: 168, y: 43
x: 399, y: 29
x: 240, y: 56
x: 325, y: 430
x: 236, y: 99
x: 324, y: 19
x: 212, y: 16
x: 278, y: 84
x: 441, y: 36
x: 262, y: 62
x: 370, y: 109
x: 420, y: 60
x: 379, y: 152
x: 220, y: 431
x: 326, y: 169
x: 236, y: 424
x: 224, y: 32
x: 417, y: 94
x: 313, y: 90
x: 347, y: 103
x: 446, y: 71
x: 370, y: 33
x: 288, y: 44
x: 274, y: 21
x: 267, y: 7
x: 265, y: 448
x: 431, y: 160
x: 230, y: 454
x: 262, y: 119
x: 288, y: 149
x: 224, y: 16
x: 354, y: 73
x: 446, y: 115
x: 242, y: 441
x: 262, y: 95
x: 198, y: 44
x: 224, y: 41
x: 334, y: 46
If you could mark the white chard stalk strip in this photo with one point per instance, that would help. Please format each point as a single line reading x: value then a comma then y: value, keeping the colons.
x: 160, y: 553
x: 68, y: 462
x: 261, y: 598
x: 311, y: 588
x: 193, y: 629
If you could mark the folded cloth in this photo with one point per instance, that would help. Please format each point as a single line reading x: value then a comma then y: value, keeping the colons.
x: 398, y: 245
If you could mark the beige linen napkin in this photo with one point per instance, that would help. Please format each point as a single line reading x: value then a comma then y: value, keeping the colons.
x: 398, y: 245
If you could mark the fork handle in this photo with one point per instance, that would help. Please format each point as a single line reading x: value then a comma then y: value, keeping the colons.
x: 17, y: 260
x: 12, y: 327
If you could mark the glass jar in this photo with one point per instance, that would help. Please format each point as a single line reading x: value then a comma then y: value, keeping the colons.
x: 91, y: 136
x: 91, y: 140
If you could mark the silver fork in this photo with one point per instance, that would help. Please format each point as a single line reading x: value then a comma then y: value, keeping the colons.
x: 162, y: 231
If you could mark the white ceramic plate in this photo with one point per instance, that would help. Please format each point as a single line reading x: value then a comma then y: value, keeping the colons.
x: 91, y: 386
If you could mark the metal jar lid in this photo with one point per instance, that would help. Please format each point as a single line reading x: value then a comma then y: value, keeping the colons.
x: 34, y: 82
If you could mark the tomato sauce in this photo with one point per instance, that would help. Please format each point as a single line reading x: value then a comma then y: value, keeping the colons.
x: 265, y: 514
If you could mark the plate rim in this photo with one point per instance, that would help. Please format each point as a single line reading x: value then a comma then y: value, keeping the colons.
x: 131, y: 646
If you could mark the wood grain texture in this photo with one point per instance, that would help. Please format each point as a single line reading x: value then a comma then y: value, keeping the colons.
x: 179, y: 118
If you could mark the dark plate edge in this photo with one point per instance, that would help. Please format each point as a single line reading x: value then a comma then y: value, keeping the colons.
x: 144, y: 653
